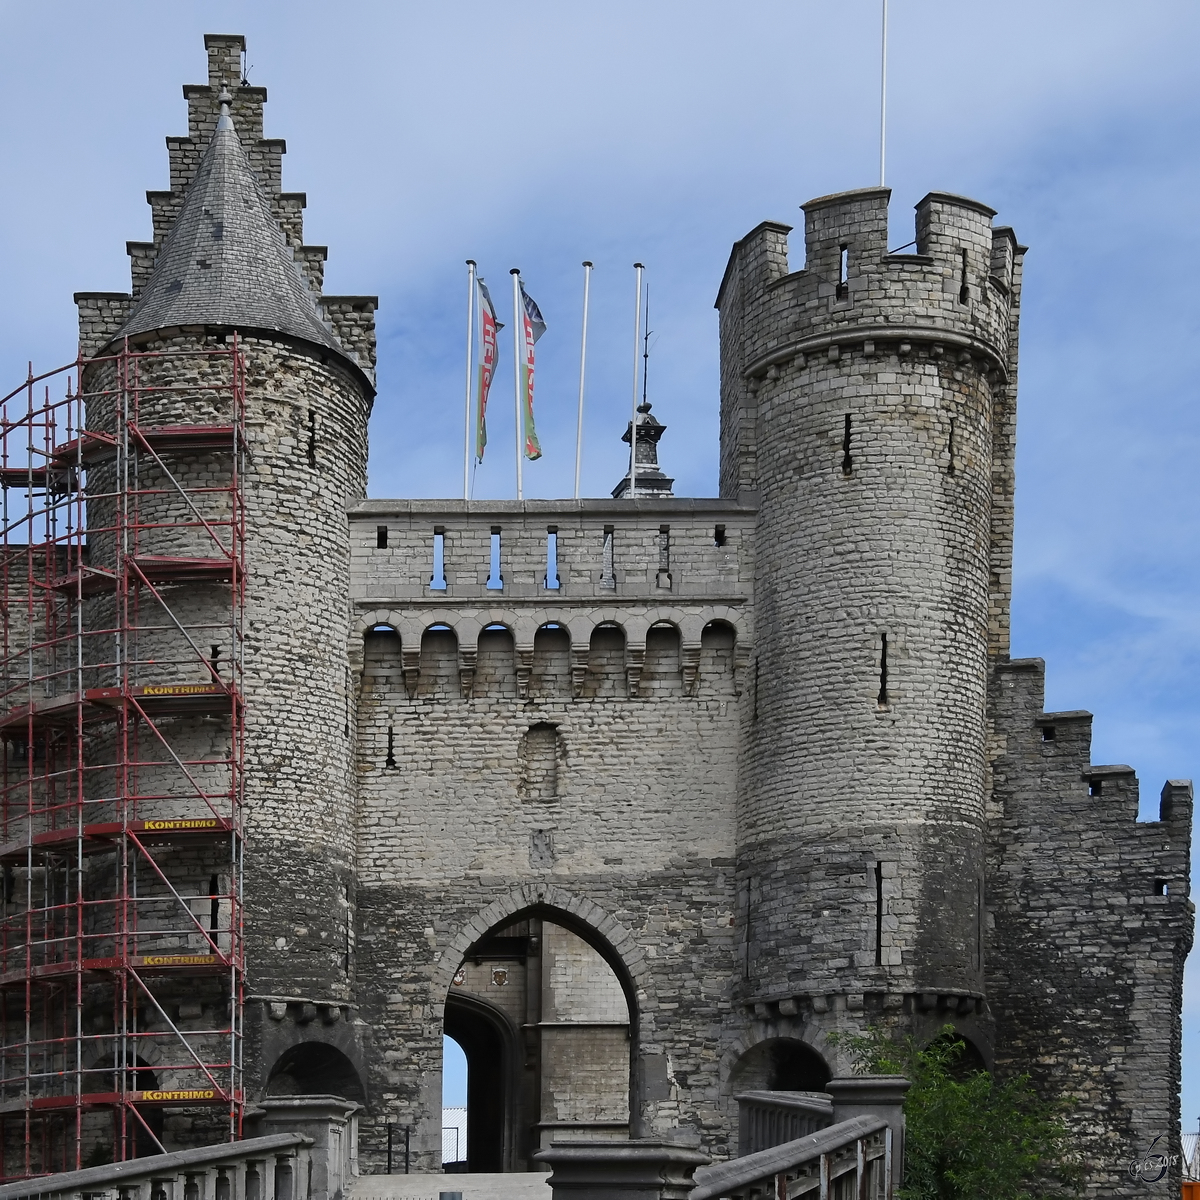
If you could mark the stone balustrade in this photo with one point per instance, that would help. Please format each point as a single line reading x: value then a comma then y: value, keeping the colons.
x: 263, y: 1168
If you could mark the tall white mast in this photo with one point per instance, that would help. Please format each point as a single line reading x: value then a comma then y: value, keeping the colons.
x: 883, y: 94
x: 470, y: 372
x: 633, y: 414
x: 518, y: 324
x: 587, y: 278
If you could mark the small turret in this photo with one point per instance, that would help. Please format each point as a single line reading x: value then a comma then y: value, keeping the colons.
x: 650, y: 480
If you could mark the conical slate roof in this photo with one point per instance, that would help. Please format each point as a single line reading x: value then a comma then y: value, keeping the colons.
x: 226, y: 261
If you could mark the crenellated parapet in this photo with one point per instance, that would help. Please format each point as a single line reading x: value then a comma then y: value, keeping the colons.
x: 955, y: 290
x: 1089, y: 925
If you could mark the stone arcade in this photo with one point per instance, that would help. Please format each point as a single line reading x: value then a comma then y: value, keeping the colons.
x: 641, y: 798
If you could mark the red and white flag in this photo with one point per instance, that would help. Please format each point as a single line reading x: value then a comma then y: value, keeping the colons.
x: 532, y: 328
x: 489, y: 328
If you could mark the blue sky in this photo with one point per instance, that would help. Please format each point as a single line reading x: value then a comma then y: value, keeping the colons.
x: 542, y: 134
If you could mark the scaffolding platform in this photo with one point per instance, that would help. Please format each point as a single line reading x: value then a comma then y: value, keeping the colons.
x: 121, y: 755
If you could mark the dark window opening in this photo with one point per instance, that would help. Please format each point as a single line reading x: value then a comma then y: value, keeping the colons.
x: 1162, y: 887
x: 214, y: 904
x: 719, y: 536
x: 1048, y: 733
x: 437, y: 581
x: 663, y: 578
x: 879, y: 914
x: 964, y: 291
x: 312, y: 439
x: 380, y: 537
x: 390, y: 760
x: 552, y: 580
x: 950, y: 449
x: 843, y: 271
x: 847, y: 460
x: 608, y: 578
x: 883, y: 671
x: 495, y: 579
x: 1095, y: 787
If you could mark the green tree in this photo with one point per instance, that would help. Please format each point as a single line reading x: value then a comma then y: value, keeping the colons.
x: 968, y: 1135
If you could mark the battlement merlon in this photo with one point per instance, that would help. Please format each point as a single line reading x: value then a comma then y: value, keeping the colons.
x: 225, y: 52
x: 1048, y: 754
x: 101, y: 314
x: 958, y: 290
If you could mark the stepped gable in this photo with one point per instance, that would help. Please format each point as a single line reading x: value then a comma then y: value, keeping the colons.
x: 226, y: 260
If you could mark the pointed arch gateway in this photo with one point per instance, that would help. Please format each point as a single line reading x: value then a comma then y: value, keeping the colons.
x: 544, y: 1007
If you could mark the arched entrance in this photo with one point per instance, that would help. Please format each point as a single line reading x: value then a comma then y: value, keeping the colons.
x: 780, y: 1064
x: 315, y: 1069
x: 541, y: 1006
x: 490, y: 1042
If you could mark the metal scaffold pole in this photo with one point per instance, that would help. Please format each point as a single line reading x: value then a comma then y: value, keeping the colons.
x: 122, y: 558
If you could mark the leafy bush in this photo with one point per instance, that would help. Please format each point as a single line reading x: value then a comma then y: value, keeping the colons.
x: 968, y: 1135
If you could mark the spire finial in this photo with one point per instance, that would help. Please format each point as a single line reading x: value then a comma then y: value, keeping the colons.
x: 224, y: 121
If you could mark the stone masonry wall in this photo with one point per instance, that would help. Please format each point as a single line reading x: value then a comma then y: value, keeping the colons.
x: 306, y: 431
x: 636, y: 840
x: 1089, y: 924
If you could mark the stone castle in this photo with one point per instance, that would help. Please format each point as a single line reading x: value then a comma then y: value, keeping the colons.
x: 638, y: 799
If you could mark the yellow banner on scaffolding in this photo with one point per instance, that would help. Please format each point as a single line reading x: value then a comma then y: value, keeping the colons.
x: 176, y: 960
x: 171, y: 826
x: 186, y: 1095
x: 179, y: 689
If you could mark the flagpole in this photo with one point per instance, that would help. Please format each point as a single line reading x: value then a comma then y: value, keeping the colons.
x: 518, y: 325
x: 633, y: 415
x: 883, y: 93
x: 587, y: 276
x: 470, y: 364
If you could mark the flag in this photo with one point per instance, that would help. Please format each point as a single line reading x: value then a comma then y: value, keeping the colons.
x: 489, y: 327
x: 532, y: 328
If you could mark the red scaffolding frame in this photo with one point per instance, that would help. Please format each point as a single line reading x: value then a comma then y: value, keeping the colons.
x: 122, y: 727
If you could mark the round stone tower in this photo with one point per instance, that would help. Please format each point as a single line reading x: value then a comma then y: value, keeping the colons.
x: 228, y: 269
x: 867, y: 406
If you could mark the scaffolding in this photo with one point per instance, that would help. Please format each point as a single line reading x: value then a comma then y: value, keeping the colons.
x: 122, y: 730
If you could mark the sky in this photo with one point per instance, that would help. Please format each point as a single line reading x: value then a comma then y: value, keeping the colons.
x: 542, y: 134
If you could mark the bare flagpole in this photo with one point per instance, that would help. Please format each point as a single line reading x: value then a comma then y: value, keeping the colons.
x: 470, y: 372
x: 518, y: 324
x: 633, y: 415
x: 883, y: 94
x: 587, y: 278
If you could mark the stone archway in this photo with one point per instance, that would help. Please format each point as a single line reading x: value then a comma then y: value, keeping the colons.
x: 545, y: 1010
x: 315, y: 1068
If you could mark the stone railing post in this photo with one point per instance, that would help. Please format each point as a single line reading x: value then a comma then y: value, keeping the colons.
x: 331, y: 1123
x: 634, y: 1170
x: 874, y: 1096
